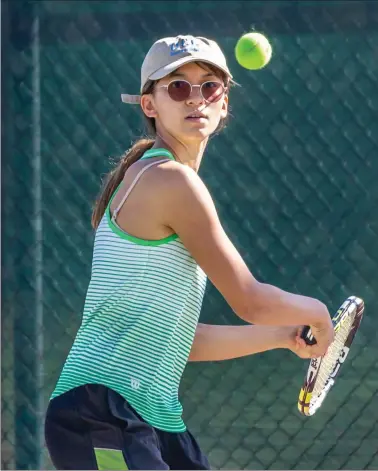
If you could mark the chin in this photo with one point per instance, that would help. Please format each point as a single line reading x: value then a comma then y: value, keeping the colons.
x: 198, y: 135
x: 198, y: 132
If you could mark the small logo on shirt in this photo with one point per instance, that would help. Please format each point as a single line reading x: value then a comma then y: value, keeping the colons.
x: 135, y: 383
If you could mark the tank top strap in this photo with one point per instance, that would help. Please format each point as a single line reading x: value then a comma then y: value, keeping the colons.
x: 134, y: 182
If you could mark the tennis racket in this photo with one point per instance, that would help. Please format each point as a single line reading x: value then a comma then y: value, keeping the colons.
x: 322, y: 371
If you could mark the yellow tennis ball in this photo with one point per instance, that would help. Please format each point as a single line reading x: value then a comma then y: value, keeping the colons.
x: 253, y: 51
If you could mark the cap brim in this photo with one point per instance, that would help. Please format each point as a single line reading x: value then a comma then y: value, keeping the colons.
x: 164, y: 71
x: 130, y: 99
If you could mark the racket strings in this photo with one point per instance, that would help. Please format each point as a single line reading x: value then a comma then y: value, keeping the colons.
x: 330, y: 359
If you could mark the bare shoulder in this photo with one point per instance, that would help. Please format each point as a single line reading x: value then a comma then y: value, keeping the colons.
x: 162, y: 177
x: 175, y: 171
x: 167, y: 186
x: 180, y: 181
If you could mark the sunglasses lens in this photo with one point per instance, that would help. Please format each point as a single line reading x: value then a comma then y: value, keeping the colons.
x: 179, y: 90
x: 212, y: 91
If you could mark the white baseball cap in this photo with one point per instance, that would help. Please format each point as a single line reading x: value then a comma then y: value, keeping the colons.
x: 168, y: 54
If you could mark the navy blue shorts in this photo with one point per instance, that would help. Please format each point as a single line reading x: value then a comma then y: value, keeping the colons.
x: 93, y: 427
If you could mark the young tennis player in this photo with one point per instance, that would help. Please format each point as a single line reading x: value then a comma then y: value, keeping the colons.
x: 158, y: 238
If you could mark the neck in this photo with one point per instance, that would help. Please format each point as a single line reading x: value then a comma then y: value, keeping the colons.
x: 189, y: 154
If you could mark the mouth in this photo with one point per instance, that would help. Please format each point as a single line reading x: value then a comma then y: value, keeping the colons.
x: 197, y: 116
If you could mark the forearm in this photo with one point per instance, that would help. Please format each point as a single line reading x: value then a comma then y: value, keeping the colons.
x: 269, y: 305
x: 219, y: 342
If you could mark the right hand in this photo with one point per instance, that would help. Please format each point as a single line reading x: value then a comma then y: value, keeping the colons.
x: 324, y: 334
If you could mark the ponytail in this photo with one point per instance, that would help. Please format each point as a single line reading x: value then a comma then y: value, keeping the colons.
x: 115, y: 177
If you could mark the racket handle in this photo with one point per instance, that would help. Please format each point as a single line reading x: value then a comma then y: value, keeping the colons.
x: 307, y: 336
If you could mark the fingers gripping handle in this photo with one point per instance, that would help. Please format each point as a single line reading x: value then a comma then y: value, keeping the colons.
x: 307, y: 336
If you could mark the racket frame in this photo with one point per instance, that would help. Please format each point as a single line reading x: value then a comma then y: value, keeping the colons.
x: 351, y: 306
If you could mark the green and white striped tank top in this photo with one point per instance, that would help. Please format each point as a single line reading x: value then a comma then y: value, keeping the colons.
x: 140, y: 316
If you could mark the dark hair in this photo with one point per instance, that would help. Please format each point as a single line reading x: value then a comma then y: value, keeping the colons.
x: 115, y: 176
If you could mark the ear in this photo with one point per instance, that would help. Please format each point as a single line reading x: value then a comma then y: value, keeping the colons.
x: 148, y: 107
x: 224, y: 110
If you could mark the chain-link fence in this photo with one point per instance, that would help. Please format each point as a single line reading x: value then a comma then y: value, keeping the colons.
x: 293, y: 177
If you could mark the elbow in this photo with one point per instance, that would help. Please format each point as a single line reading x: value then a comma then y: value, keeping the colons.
x: 253, y: 304
x: 248, y: 314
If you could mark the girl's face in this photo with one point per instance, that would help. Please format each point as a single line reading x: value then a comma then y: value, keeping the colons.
x: 178, y: 118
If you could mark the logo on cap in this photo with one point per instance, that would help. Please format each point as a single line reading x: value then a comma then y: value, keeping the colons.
x: 184, y: 45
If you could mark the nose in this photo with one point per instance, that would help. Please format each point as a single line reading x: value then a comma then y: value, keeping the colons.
x: 195, y: 96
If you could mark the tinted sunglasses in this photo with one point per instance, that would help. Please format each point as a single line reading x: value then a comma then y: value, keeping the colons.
x: 180, y: 90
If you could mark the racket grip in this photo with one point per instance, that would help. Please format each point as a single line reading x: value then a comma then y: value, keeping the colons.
x: 307, y: 336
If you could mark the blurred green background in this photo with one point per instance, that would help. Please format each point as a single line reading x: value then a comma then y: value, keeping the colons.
x: 293, y: 177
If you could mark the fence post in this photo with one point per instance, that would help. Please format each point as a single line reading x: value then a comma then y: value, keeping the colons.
x: 26, y: 161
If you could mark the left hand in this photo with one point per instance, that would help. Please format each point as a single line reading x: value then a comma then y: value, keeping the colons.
x: 296, y: 344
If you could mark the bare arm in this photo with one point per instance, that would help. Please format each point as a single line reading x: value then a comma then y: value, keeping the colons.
x: 188, y: 209
x: 224, y: 342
